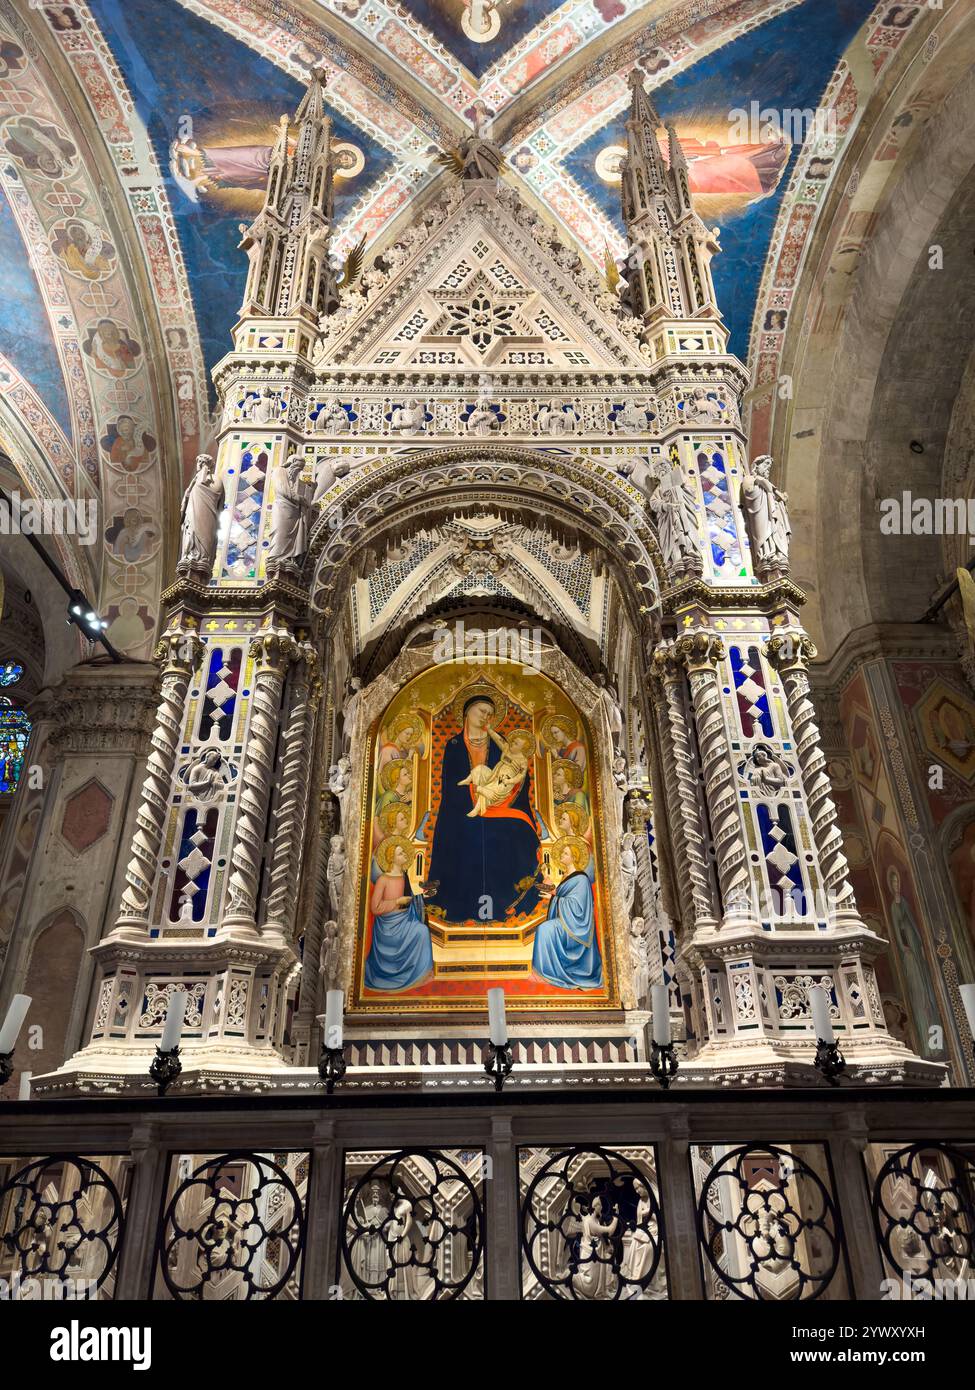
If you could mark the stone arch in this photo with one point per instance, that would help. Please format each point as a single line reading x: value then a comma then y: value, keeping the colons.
x: 58, y: 988
x: 578, y: 499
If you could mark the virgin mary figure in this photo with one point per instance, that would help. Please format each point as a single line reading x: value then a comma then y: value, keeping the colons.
x: 477, y: 864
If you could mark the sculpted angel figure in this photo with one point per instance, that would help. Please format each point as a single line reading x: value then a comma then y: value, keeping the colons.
x: 766, y: 516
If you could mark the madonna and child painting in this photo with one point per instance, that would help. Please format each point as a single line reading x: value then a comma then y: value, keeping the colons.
x: 481, y: 864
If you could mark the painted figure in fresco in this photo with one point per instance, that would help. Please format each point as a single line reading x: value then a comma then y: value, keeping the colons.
x: 127, y: 446
x: 486, y: 857
x: 400, y: 954
x: 112, y: 349
x: 199, y: 515
x: 84, y: 250
x: 567, y: 780
x: 563, y: 737
x: 910, y: 951
x: 766, y: 517
x: 566, y: 950
x: 404, y: 737
x: 495, y: 785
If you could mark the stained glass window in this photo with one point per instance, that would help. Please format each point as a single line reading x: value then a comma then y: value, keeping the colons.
x: 14, y: 732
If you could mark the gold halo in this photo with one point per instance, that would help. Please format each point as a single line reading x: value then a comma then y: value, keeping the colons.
x: 394, y: 766
x: 384, y: 854
x: 569, y: 724
x: 485, y: 691
x: 405, y: 721
x: 389, y: 813
x: 524, y: 734
x: 574, y: 773
x: 578, y: 815
x: 581, y: 853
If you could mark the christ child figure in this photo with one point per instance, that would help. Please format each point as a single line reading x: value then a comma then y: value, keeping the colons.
x: 495, y: 784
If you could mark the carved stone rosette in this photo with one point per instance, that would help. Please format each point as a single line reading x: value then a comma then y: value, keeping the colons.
x: 179, y: 651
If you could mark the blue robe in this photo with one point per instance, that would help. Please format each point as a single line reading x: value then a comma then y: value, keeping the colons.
x: 566, y: 951
x: 483, y: 856
x: 400, y: 954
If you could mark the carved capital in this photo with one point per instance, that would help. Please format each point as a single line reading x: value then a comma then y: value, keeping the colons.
x: 699, y: 650
x: 790, y: 651
x: 179, y: 650
x: 274, y: 651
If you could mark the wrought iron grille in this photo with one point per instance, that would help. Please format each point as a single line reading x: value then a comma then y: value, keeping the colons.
x: 924, y: 1212
x: 413, y: 1225
x: 234, y: 1228
x: 767, y: 1223
x: 61, y: 1219
x: 592, y: 1226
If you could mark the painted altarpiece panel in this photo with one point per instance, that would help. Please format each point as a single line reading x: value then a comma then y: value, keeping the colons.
x: 482, y: 858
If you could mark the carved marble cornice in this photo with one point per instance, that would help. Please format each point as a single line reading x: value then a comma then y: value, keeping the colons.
x: 883, y: 642
x: 767, y: 598
x: 104, y: 709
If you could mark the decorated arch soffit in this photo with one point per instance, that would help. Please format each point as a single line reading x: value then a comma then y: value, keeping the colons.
x: 77, y: 380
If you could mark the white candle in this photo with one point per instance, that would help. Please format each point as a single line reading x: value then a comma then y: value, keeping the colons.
x: 174, y: 1020
x: 14, y: 1021
x: 819, y: 1004
x: 496, y: 1019
x: 968, y: 999
x: 24, y: 1093
x: 660, y: 1011
x: 334, y: 1010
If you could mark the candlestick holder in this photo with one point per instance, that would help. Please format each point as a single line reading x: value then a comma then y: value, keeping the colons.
x: 332, y: 1067
x: 165, y: 1067
x: 499, y: 1063
x: 6, y: 1067
x: 664, y: 1063
x: 830, y: 1061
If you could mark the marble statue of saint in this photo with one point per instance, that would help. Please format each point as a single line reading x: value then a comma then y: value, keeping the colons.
x: 556, y: 420
x: 631, y: 418
x: 328, y: 955
x: 674, y: 507
x: 199, y: 515
x: 325, y: 474
x: 411, y: 417
x: 266, y: 408
x: 332, y: 419
x: 766, y: 516
x: 640, y: 960
x: 700, y: 408
x: 350, y: 712
x: 288, y: 536
x: 207, y: 775
x: 614, y: 714
x: 628, y: 870
x: 335, y: 871
x: 482, y: 419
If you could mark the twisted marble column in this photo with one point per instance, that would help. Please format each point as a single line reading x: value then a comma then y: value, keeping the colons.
x: 292, y: 808
x: 680, y: 783
x: 180, y: 650
x: 700, y: 652
x: 272, y: 652
x: 790, y: 654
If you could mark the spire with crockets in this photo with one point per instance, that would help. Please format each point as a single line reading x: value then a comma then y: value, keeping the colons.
x: 288, y: 243
x: 669, y: 248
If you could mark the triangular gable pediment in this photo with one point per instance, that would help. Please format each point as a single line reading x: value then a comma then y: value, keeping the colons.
x: 478, y: 283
